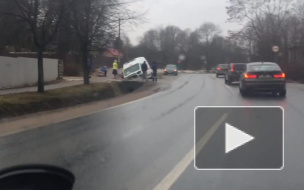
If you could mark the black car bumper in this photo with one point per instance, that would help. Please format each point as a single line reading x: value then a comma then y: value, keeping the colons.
x: 264, y: 86
x: 234, y: 76
x: 220, y: 72
x: 171, y: 72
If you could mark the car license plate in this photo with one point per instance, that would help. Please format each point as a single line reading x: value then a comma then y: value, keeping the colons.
x: 264, y: 76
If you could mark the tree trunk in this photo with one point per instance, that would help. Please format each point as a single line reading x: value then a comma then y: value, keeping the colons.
x: 85, y: 67
x: 40, y: 70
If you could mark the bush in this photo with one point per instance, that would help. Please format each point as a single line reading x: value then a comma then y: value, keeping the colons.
x: 294, y: 71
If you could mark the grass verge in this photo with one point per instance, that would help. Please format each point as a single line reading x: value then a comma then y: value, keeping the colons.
x: 30, y: 102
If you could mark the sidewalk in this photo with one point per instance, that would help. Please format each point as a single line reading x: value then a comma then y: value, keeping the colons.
x: 66, y: 82
x: 61, y: 84
x: 71, y: 81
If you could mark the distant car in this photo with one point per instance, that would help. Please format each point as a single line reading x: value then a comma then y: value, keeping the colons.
x: 263, y: 77
x: 213, y: 70
x: 221, y: 69
x: 171, y: 69
x: 234, y: 72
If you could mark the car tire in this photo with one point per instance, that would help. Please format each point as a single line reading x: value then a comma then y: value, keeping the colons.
x: 282, y: 93
x: 228, y: 81
x: 243, y: 93
x: 217, y: 75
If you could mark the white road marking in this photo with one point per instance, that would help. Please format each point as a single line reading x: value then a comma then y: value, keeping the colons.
x: 229, y: 88
x: 177, y: 171
x: 203, y: 141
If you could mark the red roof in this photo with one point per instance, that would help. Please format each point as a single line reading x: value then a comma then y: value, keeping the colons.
x: 110, y: 52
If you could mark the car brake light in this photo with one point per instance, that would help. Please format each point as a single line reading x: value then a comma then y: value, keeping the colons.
x: 282, y: 75
x: 218, y: 68
x: 175, y: 70
x: 165, y: 69
x: 249, y: 76
x: 232, y: 68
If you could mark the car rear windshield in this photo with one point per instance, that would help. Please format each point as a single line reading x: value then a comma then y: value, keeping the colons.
x: 264, y: 67
x: 171, y: 66
x: 224, y: 66
x: 239, y: 67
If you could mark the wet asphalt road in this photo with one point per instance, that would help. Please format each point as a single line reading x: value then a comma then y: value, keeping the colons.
x: 135, y: 146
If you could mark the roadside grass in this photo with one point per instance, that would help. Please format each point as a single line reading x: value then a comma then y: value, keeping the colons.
x: 30, y: 102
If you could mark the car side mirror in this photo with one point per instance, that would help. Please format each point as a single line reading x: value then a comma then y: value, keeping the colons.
x: 36, y: 177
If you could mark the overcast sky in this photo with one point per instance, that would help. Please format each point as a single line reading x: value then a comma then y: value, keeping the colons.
x: 182, y: 13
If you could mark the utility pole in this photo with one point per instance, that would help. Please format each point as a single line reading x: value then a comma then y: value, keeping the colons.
x: 119, y: 49
x: 119, y: 28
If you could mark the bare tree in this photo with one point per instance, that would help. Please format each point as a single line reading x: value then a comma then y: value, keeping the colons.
x: 168, y: 43
x: 267, y: 23
x: 95, y: 23
x: 14, y: 37
x: 151, y: 40
x: 150, y: 45
x: 43, y: 18
x: 208, y: 30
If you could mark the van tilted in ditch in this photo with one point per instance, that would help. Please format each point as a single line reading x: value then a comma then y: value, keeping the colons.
x: 133, y: 69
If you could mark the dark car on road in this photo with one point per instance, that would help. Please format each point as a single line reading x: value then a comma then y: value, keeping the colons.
x: 263, y: 77
x: 221, y: 69
x: 171, y: 69
x: 234, y: 72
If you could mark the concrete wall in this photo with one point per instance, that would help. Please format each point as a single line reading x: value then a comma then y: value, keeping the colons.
x: 23, y: 71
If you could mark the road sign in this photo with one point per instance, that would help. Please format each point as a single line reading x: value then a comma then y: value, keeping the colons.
x: 235, y: 138
x: 275, y: 49
x: 182, y: 57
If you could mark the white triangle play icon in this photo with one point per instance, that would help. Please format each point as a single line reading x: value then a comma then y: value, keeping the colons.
x: 235, y: 138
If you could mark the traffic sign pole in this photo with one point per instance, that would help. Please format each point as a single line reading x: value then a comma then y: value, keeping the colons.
x: 275, y: 50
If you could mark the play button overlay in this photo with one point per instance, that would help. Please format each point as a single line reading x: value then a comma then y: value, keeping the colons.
x: 235, y: 138
x: 239, y: 138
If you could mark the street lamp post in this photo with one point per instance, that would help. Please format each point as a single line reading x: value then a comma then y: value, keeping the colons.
x: 203, y: 58
x: 181, y: 59
x: 119, y: 48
